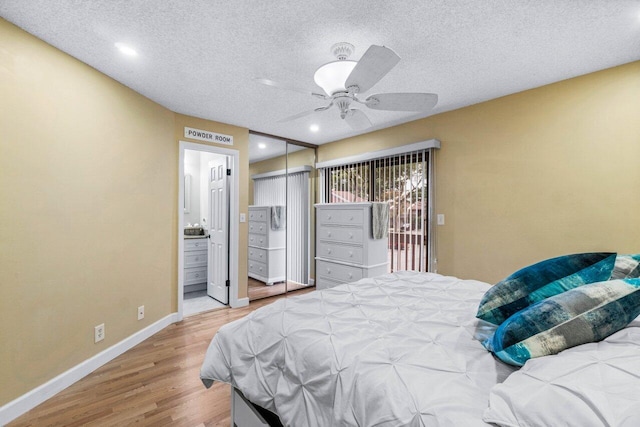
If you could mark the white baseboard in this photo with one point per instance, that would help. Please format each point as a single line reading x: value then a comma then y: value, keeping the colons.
x: 240, y: 302
x: 33, y: 398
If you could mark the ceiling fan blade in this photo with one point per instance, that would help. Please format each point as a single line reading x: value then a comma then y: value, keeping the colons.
x: 376, y: 62
x: 402, y: 101
x: 297, y: 116
x: 285, y: 86
x: 357, y: 120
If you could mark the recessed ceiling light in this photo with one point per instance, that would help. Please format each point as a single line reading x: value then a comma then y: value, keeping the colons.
x: 262, y: 145
x: 314, y: 128
x: 125, y: 49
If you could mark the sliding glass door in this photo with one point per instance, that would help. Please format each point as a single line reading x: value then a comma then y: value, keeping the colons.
x: 402, y: 182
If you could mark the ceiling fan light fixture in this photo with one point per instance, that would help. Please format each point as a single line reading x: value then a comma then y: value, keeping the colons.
x: 331, y: 77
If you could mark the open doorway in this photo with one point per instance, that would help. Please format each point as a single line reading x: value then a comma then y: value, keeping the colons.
x: 208, y: 233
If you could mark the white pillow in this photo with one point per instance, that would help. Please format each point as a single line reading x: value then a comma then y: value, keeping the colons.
x: 593, y: 384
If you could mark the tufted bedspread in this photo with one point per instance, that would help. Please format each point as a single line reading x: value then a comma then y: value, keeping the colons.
x: 387, y: 351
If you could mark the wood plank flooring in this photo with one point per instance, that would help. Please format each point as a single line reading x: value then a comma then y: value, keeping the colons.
x: 258, y: 289
x: 156, y: 383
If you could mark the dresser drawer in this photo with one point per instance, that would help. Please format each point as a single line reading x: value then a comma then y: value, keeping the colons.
x: 257, y: 240
x: 259, y: 268
x: 324, y: 283
x: 258, y: 214
x: 258, y: 227
x: 195, y: 259
x: 257, y: 254
x: 341, y: 216
x: 195, y: 244
x: 195, y: 275
x: 352, y: 254
x: 341, y: 234
x: 338, y: 272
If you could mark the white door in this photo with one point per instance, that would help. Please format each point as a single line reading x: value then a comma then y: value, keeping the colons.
x: 218, y: 270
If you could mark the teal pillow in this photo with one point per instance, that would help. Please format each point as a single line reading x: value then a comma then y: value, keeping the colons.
x: 543, y: 280
x: 626, y: 267
x: 585, y: 314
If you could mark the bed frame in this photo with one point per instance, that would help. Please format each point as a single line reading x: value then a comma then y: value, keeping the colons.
x: 246, y: 414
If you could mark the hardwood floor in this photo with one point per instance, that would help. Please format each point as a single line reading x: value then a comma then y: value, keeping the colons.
x: 156, y: 383
x: 258, y: 289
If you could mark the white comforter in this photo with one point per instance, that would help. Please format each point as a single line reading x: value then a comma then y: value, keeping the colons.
x: 389, y: 351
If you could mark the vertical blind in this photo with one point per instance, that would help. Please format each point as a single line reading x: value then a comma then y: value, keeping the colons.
x: 403, y: 181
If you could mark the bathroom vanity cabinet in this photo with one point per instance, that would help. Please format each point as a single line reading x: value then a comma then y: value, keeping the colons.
x: 195, y: 263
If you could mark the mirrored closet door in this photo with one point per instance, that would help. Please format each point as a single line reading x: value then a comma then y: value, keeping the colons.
x: 280, y: 217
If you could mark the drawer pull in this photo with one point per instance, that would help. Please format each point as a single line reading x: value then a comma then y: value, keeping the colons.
x: 328, y: 270
x: 350, y: 254
x: 197, y: 275
x: 328, y: 234
x: 328, y: 216
x: 260, y: 255
x: 351, y: 235
x: 351, y: 218
x: 350, y: 275
x: 328, y: 250
x: 197, y: 259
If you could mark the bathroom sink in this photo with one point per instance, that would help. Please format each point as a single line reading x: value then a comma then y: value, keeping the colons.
x: 194, y: 232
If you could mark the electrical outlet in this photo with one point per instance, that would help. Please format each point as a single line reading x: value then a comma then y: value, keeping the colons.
x: 440, y: 218
x: 98, y: 332
x: 141, y: 312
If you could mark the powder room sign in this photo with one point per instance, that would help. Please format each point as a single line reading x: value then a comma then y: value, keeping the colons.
x: 204, y: 135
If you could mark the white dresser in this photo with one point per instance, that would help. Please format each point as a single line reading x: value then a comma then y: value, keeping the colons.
x: 345, y: 248
x: 267, y: 249
x: 195, y: 263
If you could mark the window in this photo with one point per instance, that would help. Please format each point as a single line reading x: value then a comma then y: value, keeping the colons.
x: 403, y: 181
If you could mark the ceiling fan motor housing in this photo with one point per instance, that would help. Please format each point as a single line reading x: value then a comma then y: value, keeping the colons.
x: 342, y: 50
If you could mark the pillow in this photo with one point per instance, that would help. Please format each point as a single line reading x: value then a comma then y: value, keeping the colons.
x: 626, y: 267
x: 585, y: 314
x: 542, y: 280
x: 590, y: 385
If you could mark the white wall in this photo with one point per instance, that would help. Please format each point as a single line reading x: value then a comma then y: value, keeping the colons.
x: 192, y: 167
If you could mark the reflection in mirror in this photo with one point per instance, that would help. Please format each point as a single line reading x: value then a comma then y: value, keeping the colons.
x: 281, y: 198
x: 300, y: 200
x: 266, y: 217
x: 187, y: 194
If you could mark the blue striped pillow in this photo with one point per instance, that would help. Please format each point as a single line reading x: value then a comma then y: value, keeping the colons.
x: 626, y: 267
x: 585, y: 314
x: 543, y: 280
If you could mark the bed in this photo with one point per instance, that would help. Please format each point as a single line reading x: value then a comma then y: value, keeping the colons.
x: 398, y: 349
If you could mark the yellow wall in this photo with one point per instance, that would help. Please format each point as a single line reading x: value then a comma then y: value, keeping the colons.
x: 240, y: 143
x: 541, y: 173
x: 88, y: 210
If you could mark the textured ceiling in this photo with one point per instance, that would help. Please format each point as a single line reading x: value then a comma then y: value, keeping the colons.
x: 201, y: 57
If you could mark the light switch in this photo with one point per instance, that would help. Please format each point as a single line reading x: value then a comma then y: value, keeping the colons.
x: 243, y: 217
x: 440, y: 219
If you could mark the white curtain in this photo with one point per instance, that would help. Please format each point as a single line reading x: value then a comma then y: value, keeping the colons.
x: 291, y: 191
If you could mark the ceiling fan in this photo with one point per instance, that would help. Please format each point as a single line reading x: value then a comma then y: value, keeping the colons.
x: 342, y: 80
